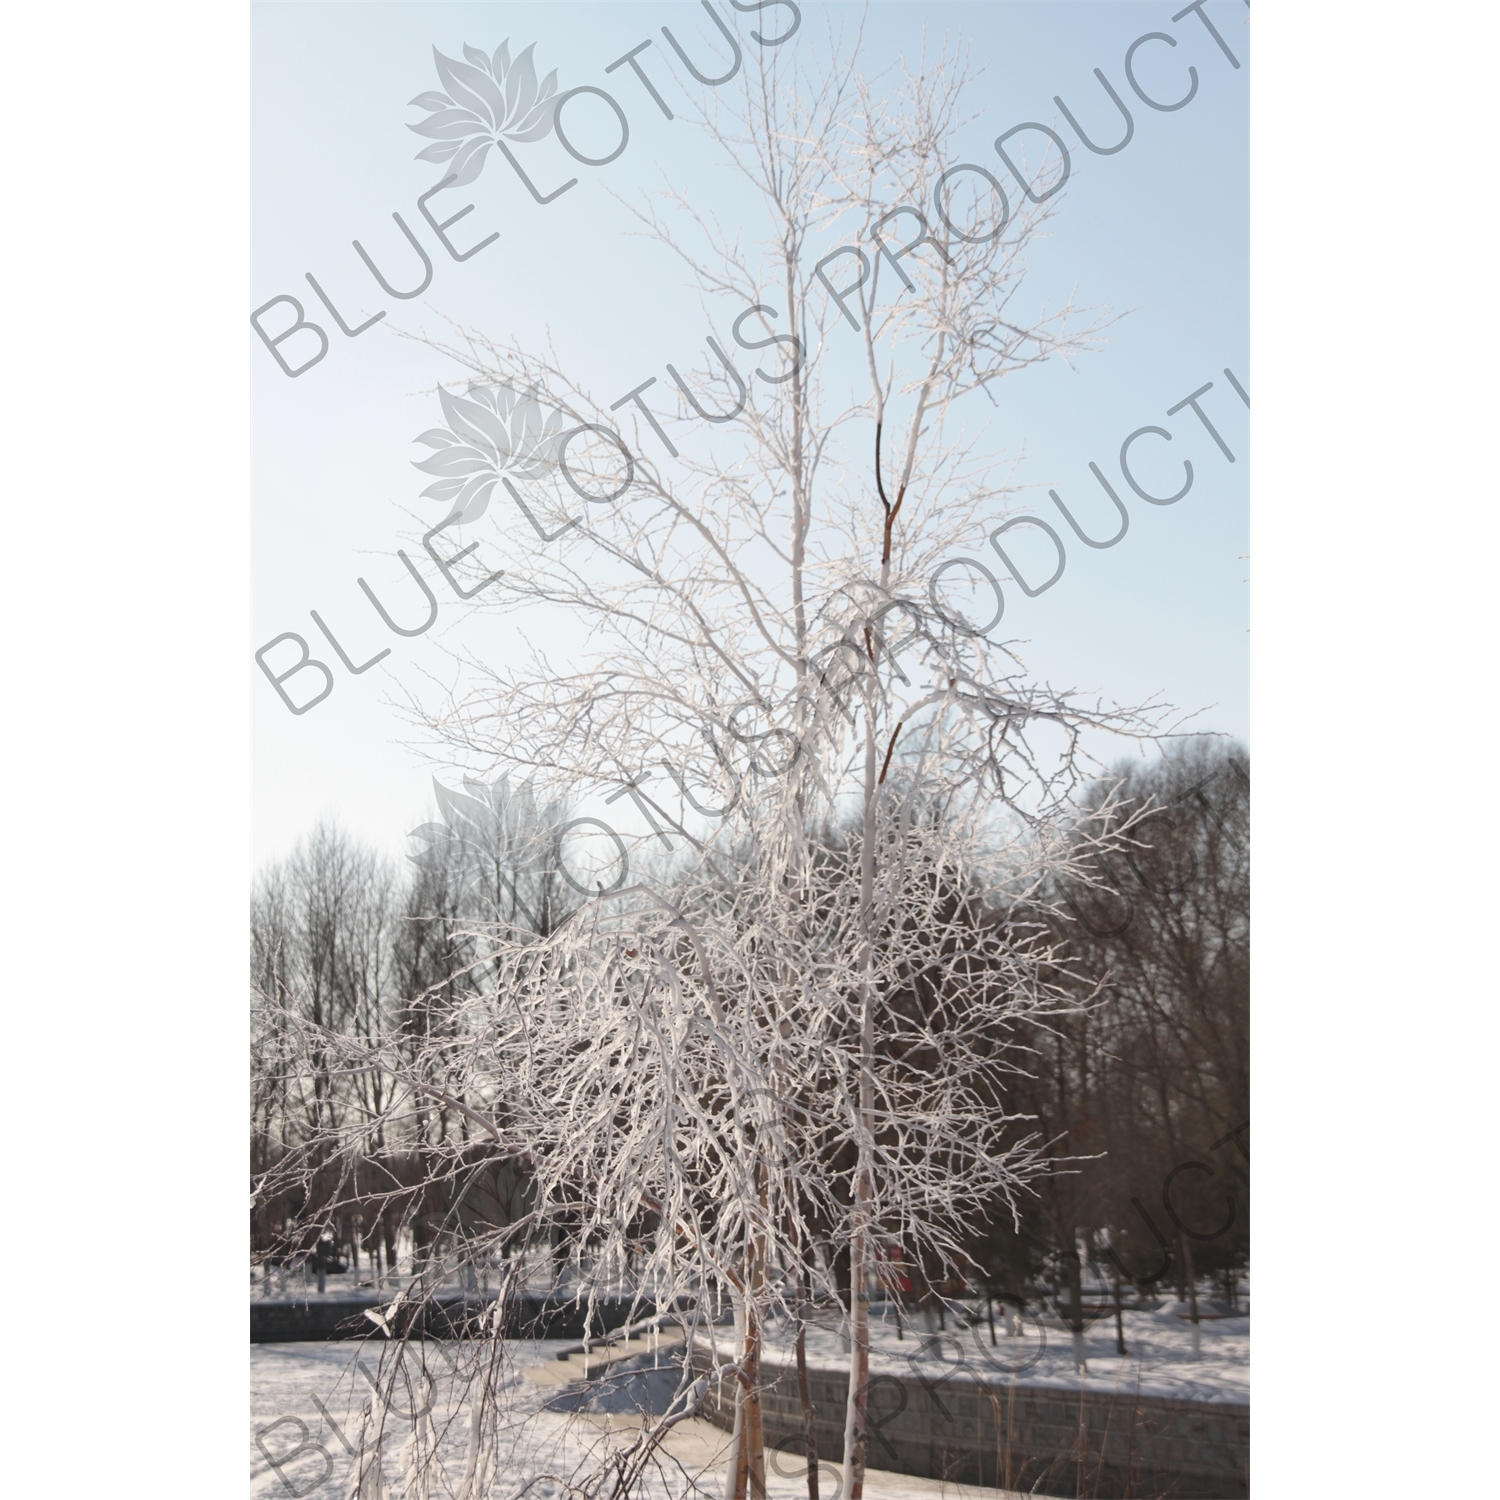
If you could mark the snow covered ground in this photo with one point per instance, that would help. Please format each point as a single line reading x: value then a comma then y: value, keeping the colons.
x: 1159, y: 1360
x: 305, y: 1419
x: 307, y: 1402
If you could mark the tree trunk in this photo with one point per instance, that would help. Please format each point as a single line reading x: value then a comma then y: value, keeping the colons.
x: 859, y: 1369
x: 1192, y: 1288
x: 859, y: 1243
x: 748, y: 1454
x: 747, y: 1466
x: 739, y: 1471
x: 1119, y: 1318
x: 755, y: 1437
x: 1075, y: 1301
x: 809, y: 1411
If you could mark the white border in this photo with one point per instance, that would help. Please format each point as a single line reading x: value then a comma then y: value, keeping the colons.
x: 126, y: 609
x: 128, y: 744
x: 1373, y: 535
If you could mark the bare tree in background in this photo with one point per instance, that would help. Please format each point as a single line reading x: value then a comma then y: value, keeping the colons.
x: 324, y: 940
x: 1144, y: 1087
x: 1169, y: 1075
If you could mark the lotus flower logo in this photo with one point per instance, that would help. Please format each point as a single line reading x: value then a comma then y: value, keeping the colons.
x: 492, y: 431
x: 487, y: 98
x: 488, y: 821
x: 489, y: 835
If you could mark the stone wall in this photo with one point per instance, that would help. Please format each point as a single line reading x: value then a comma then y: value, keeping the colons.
x: 284, y: 1320
x: 1040, y: 1439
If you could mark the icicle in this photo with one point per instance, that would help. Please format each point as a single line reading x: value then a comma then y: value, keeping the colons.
x: 418, y: 1454
x: 366, y: 1479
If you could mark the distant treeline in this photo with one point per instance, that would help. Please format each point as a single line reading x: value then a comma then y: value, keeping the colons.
x: 1142, y: 1093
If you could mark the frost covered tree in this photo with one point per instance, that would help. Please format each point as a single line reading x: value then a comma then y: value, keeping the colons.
x: 789, y: 1041
x: 325, y: 948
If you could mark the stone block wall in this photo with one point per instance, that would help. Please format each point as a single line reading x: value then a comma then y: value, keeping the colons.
x: 1010, y: 1435
x: 276, y: 1320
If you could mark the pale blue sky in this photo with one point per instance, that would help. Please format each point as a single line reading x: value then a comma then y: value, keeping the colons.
x: 1158, y: 231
